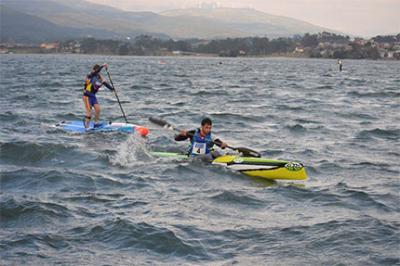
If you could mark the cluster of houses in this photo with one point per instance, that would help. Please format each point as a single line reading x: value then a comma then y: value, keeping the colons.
x: 331, y: 49
x: 389, y: 51
x: 50, y: 47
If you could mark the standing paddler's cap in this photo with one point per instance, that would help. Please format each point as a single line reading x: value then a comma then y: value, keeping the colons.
x: 96, y: 67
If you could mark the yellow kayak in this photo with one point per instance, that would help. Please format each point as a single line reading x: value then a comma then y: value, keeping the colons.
x: 251, y: 166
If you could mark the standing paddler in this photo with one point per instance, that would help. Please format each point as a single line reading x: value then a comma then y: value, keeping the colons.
x: 92, y: 85
x: 340, y: 63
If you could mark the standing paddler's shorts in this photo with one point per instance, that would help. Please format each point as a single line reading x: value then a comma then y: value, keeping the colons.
x: 90, y: 100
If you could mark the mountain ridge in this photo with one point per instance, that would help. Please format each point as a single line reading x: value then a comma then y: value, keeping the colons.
x: 199, y: 23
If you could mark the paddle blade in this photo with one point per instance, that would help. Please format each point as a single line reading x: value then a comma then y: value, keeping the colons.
x: 248, y: 152
x: 161, y: 122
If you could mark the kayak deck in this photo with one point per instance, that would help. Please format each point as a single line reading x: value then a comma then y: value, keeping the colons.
x: 250, y: 166
x: 262, y: 167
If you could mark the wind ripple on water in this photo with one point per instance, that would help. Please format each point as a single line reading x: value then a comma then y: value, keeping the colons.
x: 103, y: 199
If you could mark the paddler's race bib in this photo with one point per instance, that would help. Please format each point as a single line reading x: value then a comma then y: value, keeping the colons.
x: 199, y: 148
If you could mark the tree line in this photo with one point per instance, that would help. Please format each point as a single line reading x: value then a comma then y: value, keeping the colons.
x: 324, y: 44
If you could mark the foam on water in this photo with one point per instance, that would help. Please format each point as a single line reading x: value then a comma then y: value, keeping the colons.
x: 130, y: 152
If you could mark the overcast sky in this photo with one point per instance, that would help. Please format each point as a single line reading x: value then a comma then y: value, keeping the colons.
x: 358, y: 17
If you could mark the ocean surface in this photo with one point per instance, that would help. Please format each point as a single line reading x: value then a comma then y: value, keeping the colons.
x: 102, y: 199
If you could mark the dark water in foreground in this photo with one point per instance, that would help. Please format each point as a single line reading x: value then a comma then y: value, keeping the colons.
x: 101, y: 199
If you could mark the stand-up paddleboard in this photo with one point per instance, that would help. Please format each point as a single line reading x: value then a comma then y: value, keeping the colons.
x: 78, y: 127
x: 251, y: 166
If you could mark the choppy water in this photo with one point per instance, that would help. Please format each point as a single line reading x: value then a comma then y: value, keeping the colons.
x: 101, y: 199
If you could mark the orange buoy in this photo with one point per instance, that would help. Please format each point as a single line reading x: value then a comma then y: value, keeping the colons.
x: 143, y: 131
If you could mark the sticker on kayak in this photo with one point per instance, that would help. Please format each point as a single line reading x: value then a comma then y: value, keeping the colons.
x: 293, y: 166
x: 238, y: 160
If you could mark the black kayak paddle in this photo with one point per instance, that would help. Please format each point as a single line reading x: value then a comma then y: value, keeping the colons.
x: 245, y: 151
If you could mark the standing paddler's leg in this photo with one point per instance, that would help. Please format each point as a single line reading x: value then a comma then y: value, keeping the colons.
x: 88, y: 109
x: 97, y: 113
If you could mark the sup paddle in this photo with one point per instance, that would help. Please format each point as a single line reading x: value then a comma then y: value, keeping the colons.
x: 245, y: 151
x: 116, y: 95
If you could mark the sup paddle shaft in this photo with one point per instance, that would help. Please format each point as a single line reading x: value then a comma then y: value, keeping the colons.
x: 116, y: 95
x: 245, y: 151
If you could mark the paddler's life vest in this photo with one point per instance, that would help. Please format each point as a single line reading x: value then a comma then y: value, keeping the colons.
x: 200, y: 145
x: 92, y: 85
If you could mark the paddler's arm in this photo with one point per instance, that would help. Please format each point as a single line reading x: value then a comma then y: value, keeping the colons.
x: 105, y: 83
x: 108, y: 86
x: 184, y: 135
x: 220, y: 143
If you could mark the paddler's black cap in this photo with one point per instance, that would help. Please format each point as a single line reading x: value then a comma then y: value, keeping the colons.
x: 96, y: 67
x: 206, y: 121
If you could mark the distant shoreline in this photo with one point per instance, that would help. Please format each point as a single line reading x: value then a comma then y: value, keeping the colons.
x: 214, y: 56
x: 322, y: 45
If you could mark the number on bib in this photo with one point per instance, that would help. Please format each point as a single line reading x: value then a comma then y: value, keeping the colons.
x: 199, y: 148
